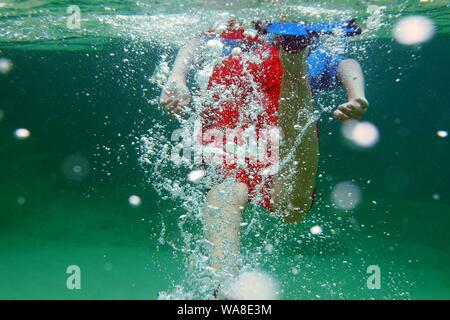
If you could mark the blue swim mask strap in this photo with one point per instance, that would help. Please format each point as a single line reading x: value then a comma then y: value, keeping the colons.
x: 302, y: 30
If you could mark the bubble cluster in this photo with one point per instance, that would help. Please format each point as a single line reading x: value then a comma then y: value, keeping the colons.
x: 183, y: 186
x: 254, y: 285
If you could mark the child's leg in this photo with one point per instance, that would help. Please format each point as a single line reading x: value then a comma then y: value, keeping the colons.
x: 222, y: 222
x: 295, y: 182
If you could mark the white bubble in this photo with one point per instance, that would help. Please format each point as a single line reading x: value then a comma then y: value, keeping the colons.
x: 295, y: 271
x: 436, y: 196
x: 236, y: 51
x: 442, y: 133
x: 346, y: 195
x: 413, y: 30
x: 250, y: 33
x: 21, y: 200
x: 134, y: 201
x: 215, y: 46
x: 269, y: 248
x: 316, y: 230
x: 196, y: 175
x: 108, y: 266
x: 5, y: 65
x: 202, y: 76
x: 253, y: 285
x: 22, y: 133
x: 75, y: 167
x: 363, y: 134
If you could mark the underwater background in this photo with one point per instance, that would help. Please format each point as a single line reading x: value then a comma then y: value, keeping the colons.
x: 85, y: 98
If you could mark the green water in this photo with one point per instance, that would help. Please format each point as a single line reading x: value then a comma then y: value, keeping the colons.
x: 85, y: 106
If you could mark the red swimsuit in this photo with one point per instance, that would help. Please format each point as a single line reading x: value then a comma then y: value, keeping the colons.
x: 239, y: 86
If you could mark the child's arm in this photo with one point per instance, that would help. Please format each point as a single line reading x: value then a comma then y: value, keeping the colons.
x: 351, y: 76
x: 175, y: 95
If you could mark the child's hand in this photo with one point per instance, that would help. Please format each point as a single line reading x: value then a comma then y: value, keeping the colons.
x: 351, y: 110
x: 175, y: 96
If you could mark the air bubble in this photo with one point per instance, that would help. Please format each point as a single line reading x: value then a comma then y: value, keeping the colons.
x: 254, y: 285
x: 316, y: 230
x: 5, y: 65
x: 346, y: 195
x: 196, y: 175
x: 413, y: 30
x: 363, y: 134
x: 134, y: 201
x: 22, y: 134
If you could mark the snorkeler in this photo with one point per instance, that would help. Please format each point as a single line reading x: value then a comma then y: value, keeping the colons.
x: 278, y: 80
